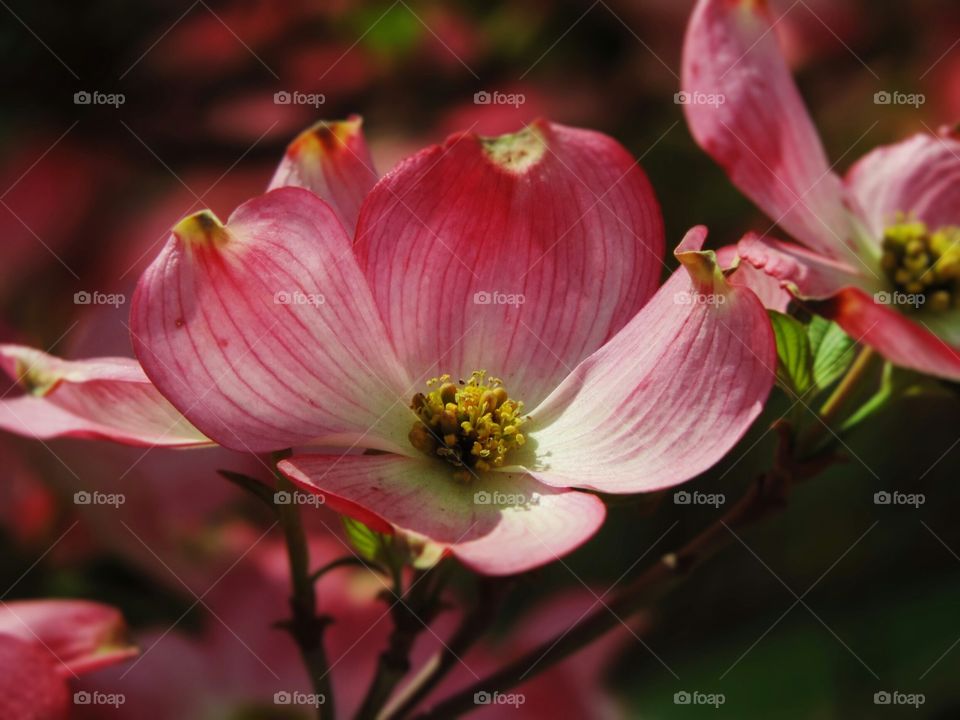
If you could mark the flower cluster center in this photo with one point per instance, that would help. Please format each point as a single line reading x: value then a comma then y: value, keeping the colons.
x: 472, y: 425
x: 925, y: 263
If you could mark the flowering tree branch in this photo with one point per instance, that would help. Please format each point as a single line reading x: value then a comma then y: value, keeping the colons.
x: 306, y: 627
x: 472, y: 628
x: 766, y: 496
x: 413, y: 609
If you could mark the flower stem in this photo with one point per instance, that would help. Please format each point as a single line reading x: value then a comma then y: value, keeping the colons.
x: 839, y: 398
x: 766, y: 495
x: 413, y: 610
x: 847, y: 386
x: 471, y: 629
x: 306, y: 627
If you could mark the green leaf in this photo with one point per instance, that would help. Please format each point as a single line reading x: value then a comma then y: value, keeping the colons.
x: 794, y: 357
x: 832, y: 351
x: 389, y: 31
x: 365, y: 541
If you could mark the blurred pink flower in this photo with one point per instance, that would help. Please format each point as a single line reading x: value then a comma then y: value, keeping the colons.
x: 534, y: 255
x: 882, y: 246
x: 27, y: 507
x: 40, y: 172
x: 238, y: 661
x: 43, y: 643
x: 571, y: 688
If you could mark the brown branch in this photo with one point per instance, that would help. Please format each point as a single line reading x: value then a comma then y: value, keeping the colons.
x: 767, y: 495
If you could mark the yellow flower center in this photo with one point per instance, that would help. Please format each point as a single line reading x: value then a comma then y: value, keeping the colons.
x: 472, y: 425
x: 923, y: 263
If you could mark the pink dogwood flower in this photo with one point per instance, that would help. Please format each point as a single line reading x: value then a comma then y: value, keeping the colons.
x: 44, y: 643
x: 486, y: 326
x: 880, y: 248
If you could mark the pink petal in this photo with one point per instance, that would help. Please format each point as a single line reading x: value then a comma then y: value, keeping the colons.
x: 805, y: 273
x: 766, y: 287
x: 109, y: 398
x: 79, y: 636
x: 900, y: 339
x: 264, y: 334
x: 669, y: 395
x: 745, y: 111
x: 918, y: 176
x: 421, y: 496
x: 332, y: 160
x: 558, y: 217
x: 30, y: 687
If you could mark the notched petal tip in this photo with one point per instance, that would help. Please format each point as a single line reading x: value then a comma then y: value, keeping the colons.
x: 701, y: 265
x: 34, y: 380
x: 520, y: 151
x: 754, y: 7
x: 33, y: 371
x: 202, y: 229
x: 324, y: 138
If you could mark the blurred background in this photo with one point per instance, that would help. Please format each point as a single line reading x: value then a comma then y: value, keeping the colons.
x: 807, y: 616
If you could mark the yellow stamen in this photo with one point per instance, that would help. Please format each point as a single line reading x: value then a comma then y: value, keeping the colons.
x: 923, y: 263
x: 473, y: 425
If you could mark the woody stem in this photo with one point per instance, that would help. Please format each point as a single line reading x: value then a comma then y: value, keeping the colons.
x: 305, y: 626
